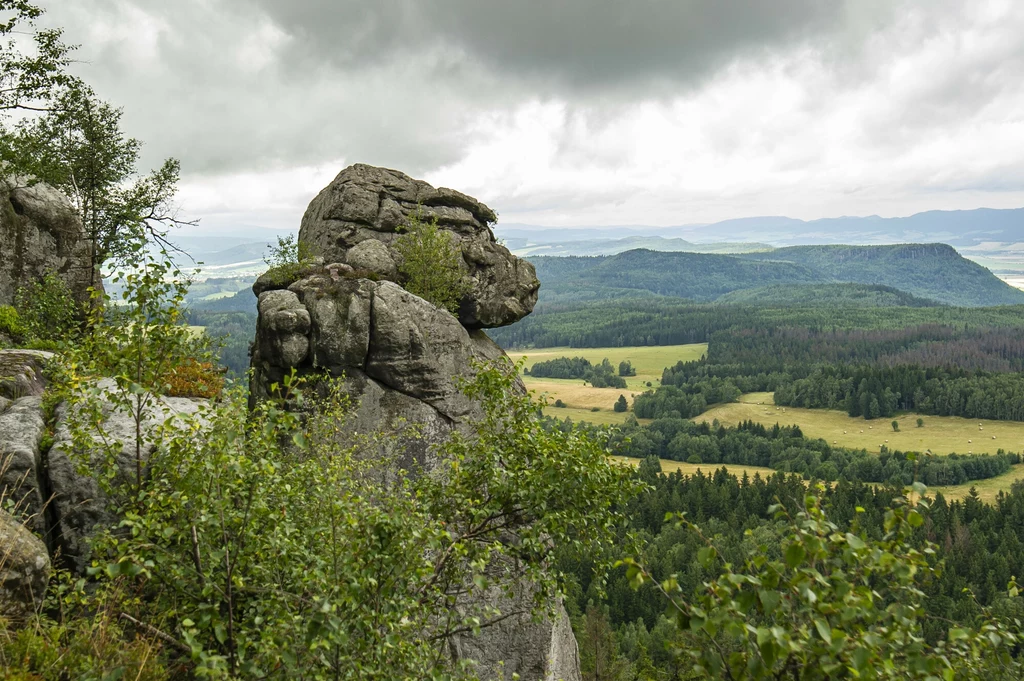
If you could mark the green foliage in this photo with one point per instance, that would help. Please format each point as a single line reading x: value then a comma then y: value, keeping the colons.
x: 10, y: 323
x: 621, y: 405
x: 79, y: 148
x: 48, y: 311
x: 287, y: 260
x: 560, y: 404
x: 785, y: 448
x: 89, y: 641
x: 278, y: 541
x: 431, y: 265
x: 920, y: 422
x: 836, y: 602
x: 626, y: 368
x: 908, y: 268
x: 895, y: 426
x: 30, y: 79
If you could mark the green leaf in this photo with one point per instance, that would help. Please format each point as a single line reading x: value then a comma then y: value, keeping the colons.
x: 769, y: 600
x: 823, y: 630
x: 706, y: 556
x: 794, y: 555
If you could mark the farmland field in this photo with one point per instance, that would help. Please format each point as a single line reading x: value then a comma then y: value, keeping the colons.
x: 648, y: 362
x: 669, y: 466
x: 940, y: 434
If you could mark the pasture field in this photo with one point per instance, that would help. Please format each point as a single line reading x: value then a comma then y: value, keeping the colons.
x: 669, y: 466
x: 648, y: 362
x: 605, y: 417
x: 987, y: 490
x: 940, y: 434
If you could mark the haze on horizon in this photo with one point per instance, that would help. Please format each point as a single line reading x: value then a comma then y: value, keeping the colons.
x: 572, y: 113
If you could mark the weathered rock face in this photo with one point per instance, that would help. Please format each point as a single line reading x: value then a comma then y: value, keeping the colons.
x: 357, y: 218
x: 53, y: 495
x: 40, y: 234
x: 24, y: 568
x: 78, y: 504
x: 403, y: 358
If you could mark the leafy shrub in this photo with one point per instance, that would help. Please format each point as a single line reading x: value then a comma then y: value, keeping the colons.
x: 260, y: 545
x: 47, y: 310
x: 10, y: 323
x: 621, y: 405
x: 192, y: 378
x: 560, y: 404
x: 830, y: 602
x: 287, y: 260
x: 694, y: 458
x: 626, y: 368
x: 431, y: 265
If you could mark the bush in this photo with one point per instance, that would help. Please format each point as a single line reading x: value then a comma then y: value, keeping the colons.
x: 694, y: 458
x: 192, y: 378
x: 431, y: 265
x: 287, y: 260
x: 47, y: 310
x: 595, y: 409
x: 10, y: 323
x: 261, y: 544
x: 621, y: 405
x: 560, y: 404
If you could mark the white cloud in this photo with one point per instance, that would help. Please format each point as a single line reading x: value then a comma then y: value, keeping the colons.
x: 887, y: 108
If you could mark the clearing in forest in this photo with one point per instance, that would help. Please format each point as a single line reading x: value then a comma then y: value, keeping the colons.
x: 940, y: 434
x: 649, y: 361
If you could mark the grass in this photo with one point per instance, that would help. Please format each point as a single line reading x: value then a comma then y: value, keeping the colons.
x: 605, y: 417
x: 669, y: 466
x: 649, y: 361
x: 580, y: 398
x: 940, y: 434
x: 987, y: 490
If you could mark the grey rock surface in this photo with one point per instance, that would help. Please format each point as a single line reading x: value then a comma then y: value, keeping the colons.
x: 79, y: 503
x: 24, y: 568
x: 21, y: 433
x: 40, y: 234
x: 22, y: 372
x: 544, y: 650
x: 369, y: 204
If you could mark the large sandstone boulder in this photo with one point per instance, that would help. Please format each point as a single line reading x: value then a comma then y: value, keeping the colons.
x: 24, y: 568
x: 40, y: 234
x: 402, y: 358
x: 357, y: 218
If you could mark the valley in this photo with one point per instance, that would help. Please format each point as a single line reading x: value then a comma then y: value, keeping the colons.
x: 940, y: 434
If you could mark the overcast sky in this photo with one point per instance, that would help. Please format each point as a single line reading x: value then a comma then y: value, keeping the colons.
x: 572, y: 112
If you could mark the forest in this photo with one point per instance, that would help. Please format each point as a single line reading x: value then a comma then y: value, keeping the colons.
x: 627, y: 633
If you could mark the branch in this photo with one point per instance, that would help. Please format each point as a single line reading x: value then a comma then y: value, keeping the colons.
x: 166, y: 638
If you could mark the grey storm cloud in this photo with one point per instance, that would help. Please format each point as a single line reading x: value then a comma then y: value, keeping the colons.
x: 536, y: 103
x: 393, y: 81
x: 577, y: 44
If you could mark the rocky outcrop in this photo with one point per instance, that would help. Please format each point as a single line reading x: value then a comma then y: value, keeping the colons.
x: 24, y: 568
x: 21, y: 372
x: 53, y: 493
x: 39, y: 234
x: 77, y: 503
x: 357, y: 218
x: 401, y: 357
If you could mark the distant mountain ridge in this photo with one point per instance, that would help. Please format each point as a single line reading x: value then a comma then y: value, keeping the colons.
x: 934, y: 272
x: 960, y: 228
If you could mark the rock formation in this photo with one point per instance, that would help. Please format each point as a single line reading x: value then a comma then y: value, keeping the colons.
x: 40, y: 234
x: 24, y: 568
x: 53, y: 496
x: 401, y: 356
x: 357, y: 217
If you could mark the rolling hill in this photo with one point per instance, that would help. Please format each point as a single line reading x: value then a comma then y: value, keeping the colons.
x: 935, y: 272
